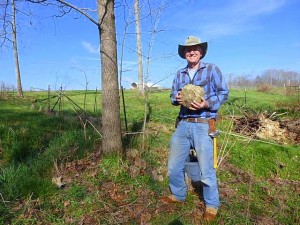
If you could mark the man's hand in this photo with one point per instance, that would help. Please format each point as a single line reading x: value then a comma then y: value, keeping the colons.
x: 197, y: 105
x: 194, y: 105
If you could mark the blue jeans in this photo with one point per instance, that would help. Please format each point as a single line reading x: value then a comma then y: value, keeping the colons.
x: 193, y: 135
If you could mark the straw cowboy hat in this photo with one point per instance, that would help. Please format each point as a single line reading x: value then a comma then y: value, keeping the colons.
x: 191, y: 41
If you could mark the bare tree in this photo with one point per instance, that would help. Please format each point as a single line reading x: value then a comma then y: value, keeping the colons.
x: 279, y: 77
x: 8, y: 34
x: 139, y: 46
x: 4, y: 22
x: 111, y: 121
x: 123, y: 41
x: 156, y: 14
x: 16, y: 54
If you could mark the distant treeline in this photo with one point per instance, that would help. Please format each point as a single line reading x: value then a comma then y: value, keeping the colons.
x: 272, y: 77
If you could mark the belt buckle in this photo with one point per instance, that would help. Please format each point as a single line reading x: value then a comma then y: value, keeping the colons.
x: 192, y: 119
x: 200, y: 120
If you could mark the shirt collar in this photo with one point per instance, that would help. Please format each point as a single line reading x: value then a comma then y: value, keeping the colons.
x: 202, y: 65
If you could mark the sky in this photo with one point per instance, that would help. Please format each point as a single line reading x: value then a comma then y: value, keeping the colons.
x: 245, y: 38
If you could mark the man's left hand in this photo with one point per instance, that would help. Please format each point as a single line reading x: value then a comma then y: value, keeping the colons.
x: 199, y: 105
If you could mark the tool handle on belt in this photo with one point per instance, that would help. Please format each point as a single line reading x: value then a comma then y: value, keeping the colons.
x: 212, y: 125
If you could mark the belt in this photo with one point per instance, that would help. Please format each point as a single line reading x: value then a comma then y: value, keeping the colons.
x: 195, y: 120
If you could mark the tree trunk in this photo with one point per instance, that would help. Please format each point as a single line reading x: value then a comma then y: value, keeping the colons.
x: 14, y: 34
x: 111, y: 122
x: 139, y: 46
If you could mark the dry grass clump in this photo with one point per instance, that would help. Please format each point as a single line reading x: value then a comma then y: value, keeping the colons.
x: 267, y: 127
x: 270, y: 129
x: 191, y: 93
x: 264, y: 88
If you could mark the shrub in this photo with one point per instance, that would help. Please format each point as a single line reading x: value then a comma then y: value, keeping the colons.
x: 264, y: 88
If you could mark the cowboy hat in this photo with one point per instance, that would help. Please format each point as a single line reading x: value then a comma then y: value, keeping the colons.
x: 192, y: 41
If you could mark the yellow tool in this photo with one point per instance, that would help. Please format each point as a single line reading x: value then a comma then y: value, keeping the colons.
x: 214, y: 135
x: 215, y: 153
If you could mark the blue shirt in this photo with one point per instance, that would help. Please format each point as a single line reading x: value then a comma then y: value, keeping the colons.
x: 210, y: 78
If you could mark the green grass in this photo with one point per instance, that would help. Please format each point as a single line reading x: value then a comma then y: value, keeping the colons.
x: 276, y: 100
x: 258, y: 180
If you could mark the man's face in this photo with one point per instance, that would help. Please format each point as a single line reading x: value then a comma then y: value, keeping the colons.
x: 193, y: 54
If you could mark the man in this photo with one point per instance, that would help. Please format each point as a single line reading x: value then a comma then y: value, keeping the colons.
x: 193, y: 128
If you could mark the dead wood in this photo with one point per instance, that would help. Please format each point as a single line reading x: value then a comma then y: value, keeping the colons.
x: 268, y: 126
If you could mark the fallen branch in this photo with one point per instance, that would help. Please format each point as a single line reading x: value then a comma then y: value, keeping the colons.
x: 251, y: 139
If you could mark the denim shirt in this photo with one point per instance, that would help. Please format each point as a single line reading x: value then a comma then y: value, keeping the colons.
x: 210, y: 78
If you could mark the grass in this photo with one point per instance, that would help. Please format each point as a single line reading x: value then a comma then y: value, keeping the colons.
x: 258, y: 181
x: 275, y: 100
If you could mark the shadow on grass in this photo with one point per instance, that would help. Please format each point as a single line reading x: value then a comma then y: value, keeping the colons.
x: 131, y: 140
x: 175, y: 222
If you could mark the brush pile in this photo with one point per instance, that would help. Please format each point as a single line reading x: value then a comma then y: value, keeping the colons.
x: 262, y: 126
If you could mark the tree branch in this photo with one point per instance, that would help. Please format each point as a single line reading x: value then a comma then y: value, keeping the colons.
x: 82, y: 11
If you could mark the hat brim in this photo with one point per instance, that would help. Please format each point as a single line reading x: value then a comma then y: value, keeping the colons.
x: 181, y: 49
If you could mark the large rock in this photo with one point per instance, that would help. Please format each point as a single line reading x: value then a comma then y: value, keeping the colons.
x: 190, y: 93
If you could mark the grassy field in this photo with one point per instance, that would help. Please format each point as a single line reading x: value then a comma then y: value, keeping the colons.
x: 258, y: 178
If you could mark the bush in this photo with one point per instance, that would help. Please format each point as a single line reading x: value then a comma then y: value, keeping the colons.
x: 264, y: 88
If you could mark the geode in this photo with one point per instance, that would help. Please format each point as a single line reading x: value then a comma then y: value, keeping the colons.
x: 190, y: 93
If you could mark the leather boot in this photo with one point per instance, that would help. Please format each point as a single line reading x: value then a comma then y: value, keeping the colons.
x: 170, y: 199
x: 210, y: 214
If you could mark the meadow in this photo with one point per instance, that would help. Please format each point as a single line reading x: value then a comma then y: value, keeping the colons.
x: 45, y: 139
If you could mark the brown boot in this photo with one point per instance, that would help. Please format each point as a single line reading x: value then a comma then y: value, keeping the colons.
x: 170, y: 199
x: 210, y: 214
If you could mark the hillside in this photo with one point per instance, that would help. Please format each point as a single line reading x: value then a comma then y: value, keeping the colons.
x: 53, y: 170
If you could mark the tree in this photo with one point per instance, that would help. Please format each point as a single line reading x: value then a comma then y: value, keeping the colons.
x: 9, y: 27
x: 139, y: 46
x: 16, y: 54
x: 111, y: 121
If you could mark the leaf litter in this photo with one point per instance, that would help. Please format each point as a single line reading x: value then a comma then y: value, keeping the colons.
x: 117, y: 206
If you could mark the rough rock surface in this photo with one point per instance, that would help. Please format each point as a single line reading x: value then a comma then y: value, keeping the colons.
x: 191, y: 93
